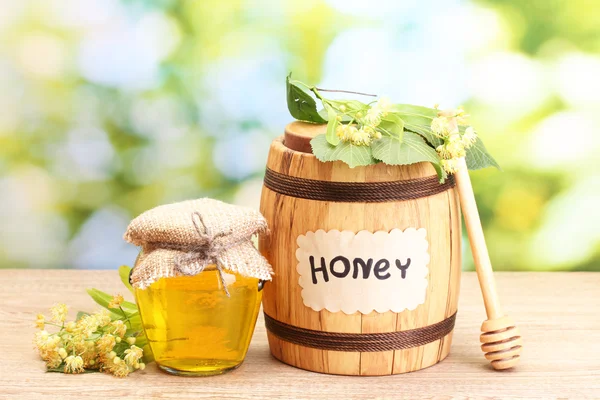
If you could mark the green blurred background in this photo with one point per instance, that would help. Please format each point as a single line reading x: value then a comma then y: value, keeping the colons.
x: 110, y: 107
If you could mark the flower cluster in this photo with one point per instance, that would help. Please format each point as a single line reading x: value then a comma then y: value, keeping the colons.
x: 97, y: 341
x: 363, y: 133
x: 446, y: 127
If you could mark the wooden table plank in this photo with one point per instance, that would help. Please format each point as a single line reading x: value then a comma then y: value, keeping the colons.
x: 558, y: 313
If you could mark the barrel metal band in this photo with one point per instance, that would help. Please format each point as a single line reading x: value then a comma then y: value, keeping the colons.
x: 360, y: 342
x: 355, y: 192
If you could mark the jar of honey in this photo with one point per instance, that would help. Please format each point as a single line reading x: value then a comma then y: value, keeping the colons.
x: 193, y: 327
x: 198, y: 283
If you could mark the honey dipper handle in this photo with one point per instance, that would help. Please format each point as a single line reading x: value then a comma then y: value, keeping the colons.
x: 483, y: 265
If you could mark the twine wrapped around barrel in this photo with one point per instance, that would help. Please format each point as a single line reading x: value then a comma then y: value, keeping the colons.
x: 184, y: 238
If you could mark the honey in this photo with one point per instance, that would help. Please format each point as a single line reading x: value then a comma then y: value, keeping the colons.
x: 193, y: 327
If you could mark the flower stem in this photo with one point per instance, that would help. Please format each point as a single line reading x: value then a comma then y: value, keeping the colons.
x: 125, y: 315
x: 345, y: 91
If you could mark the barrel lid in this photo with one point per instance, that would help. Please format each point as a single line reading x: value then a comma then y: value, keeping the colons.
x: 298, y: 135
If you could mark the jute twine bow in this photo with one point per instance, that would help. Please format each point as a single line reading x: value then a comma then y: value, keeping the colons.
x: 206, y: 252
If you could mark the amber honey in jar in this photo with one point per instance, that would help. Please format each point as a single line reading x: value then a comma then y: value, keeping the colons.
x: 194, y: 327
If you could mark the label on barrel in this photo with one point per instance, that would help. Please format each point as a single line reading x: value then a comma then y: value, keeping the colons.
x: 364, y: 271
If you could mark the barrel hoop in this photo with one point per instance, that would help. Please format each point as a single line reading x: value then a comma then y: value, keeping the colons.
x: 355, y: 192
x: 360, y: 342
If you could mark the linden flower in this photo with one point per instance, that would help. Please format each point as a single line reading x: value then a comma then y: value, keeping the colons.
x: 450, y: 166
x: 133, y: 355
x: 443, y: 152
x: 342, y: 133
x: 106, y: 343
x: 384, y: 104
x: 87, y: 325
x: 119, y: 328
x: 455, y: 149
x: 102, y: 318
x: 70, y: 326
x: 469, y: 137
x: 116, y: 301
x: 73, y: 365
x: 361, y: 137
x: 440, y: 126
x: 59, y: 312
x: 373, y: 117
x: 41, y: 321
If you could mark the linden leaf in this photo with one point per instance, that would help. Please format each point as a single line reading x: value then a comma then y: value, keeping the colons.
x: 478, y: 157
x: 301, y: 105
x: 347, y: 152
x: 392, y: 124
x: 412, y: 149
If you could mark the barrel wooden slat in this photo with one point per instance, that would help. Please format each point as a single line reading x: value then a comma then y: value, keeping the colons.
x: 289, y: 217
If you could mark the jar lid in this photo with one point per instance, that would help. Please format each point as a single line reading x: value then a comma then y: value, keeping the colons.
x: 298, y: 135
x: 184, y: 238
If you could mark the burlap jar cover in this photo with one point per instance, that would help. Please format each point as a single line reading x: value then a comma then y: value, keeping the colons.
x: 184, y: 238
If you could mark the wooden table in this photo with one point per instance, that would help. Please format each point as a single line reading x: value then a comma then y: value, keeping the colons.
x: 558, y: 313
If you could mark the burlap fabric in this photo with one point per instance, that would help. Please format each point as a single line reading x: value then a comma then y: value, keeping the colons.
x: 184, y: 238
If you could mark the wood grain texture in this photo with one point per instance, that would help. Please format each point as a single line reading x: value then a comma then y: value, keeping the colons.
x: 558, y: 312
x: 290, y: 217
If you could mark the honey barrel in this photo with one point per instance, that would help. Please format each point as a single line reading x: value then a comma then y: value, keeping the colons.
x: 367, y: 261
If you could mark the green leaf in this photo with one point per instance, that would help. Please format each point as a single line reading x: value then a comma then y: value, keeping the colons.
x: 301, y: 105
x: 104, y: 298
x: 425, y: 132
x: 411, y: 150
x: 331, y: 126
x: 478, y: 157
x: 416, y: 111
x: 393, y: 124
x: 124, y: 272
x: 347, y: 152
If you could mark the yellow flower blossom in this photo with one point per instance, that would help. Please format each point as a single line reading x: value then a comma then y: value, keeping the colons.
x: 385, y: 105
x: 450, y: 166
x: 73, y: 365
x: 103, y: 318
x: 120, y: 370
x: 469, y: 137
x: 440, y: 126
x: 342, y: 132
x: 373, y: 117
x: 455, y: 149
x: 133, y: 355
x: 52, y: 358
x: 116, y: 301
x: 41, y: 321
x: 131, y: 340
x: 59, y: 312
x: 119, y: 328
x: 361, y: 137
x: 106, y: 343
x: 87, y: 325
x: 443, y: 153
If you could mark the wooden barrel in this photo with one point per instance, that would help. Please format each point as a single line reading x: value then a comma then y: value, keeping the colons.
x: 319, y: 207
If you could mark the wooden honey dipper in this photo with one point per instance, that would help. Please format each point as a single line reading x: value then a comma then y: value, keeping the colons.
x: 501, y: 339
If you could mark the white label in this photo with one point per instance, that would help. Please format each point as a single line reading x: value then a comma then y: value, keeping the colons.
x: 364, y: 271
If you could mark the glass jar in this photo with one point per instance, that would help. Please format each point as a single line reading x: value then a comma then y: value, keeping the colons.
x: 193, y: 328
